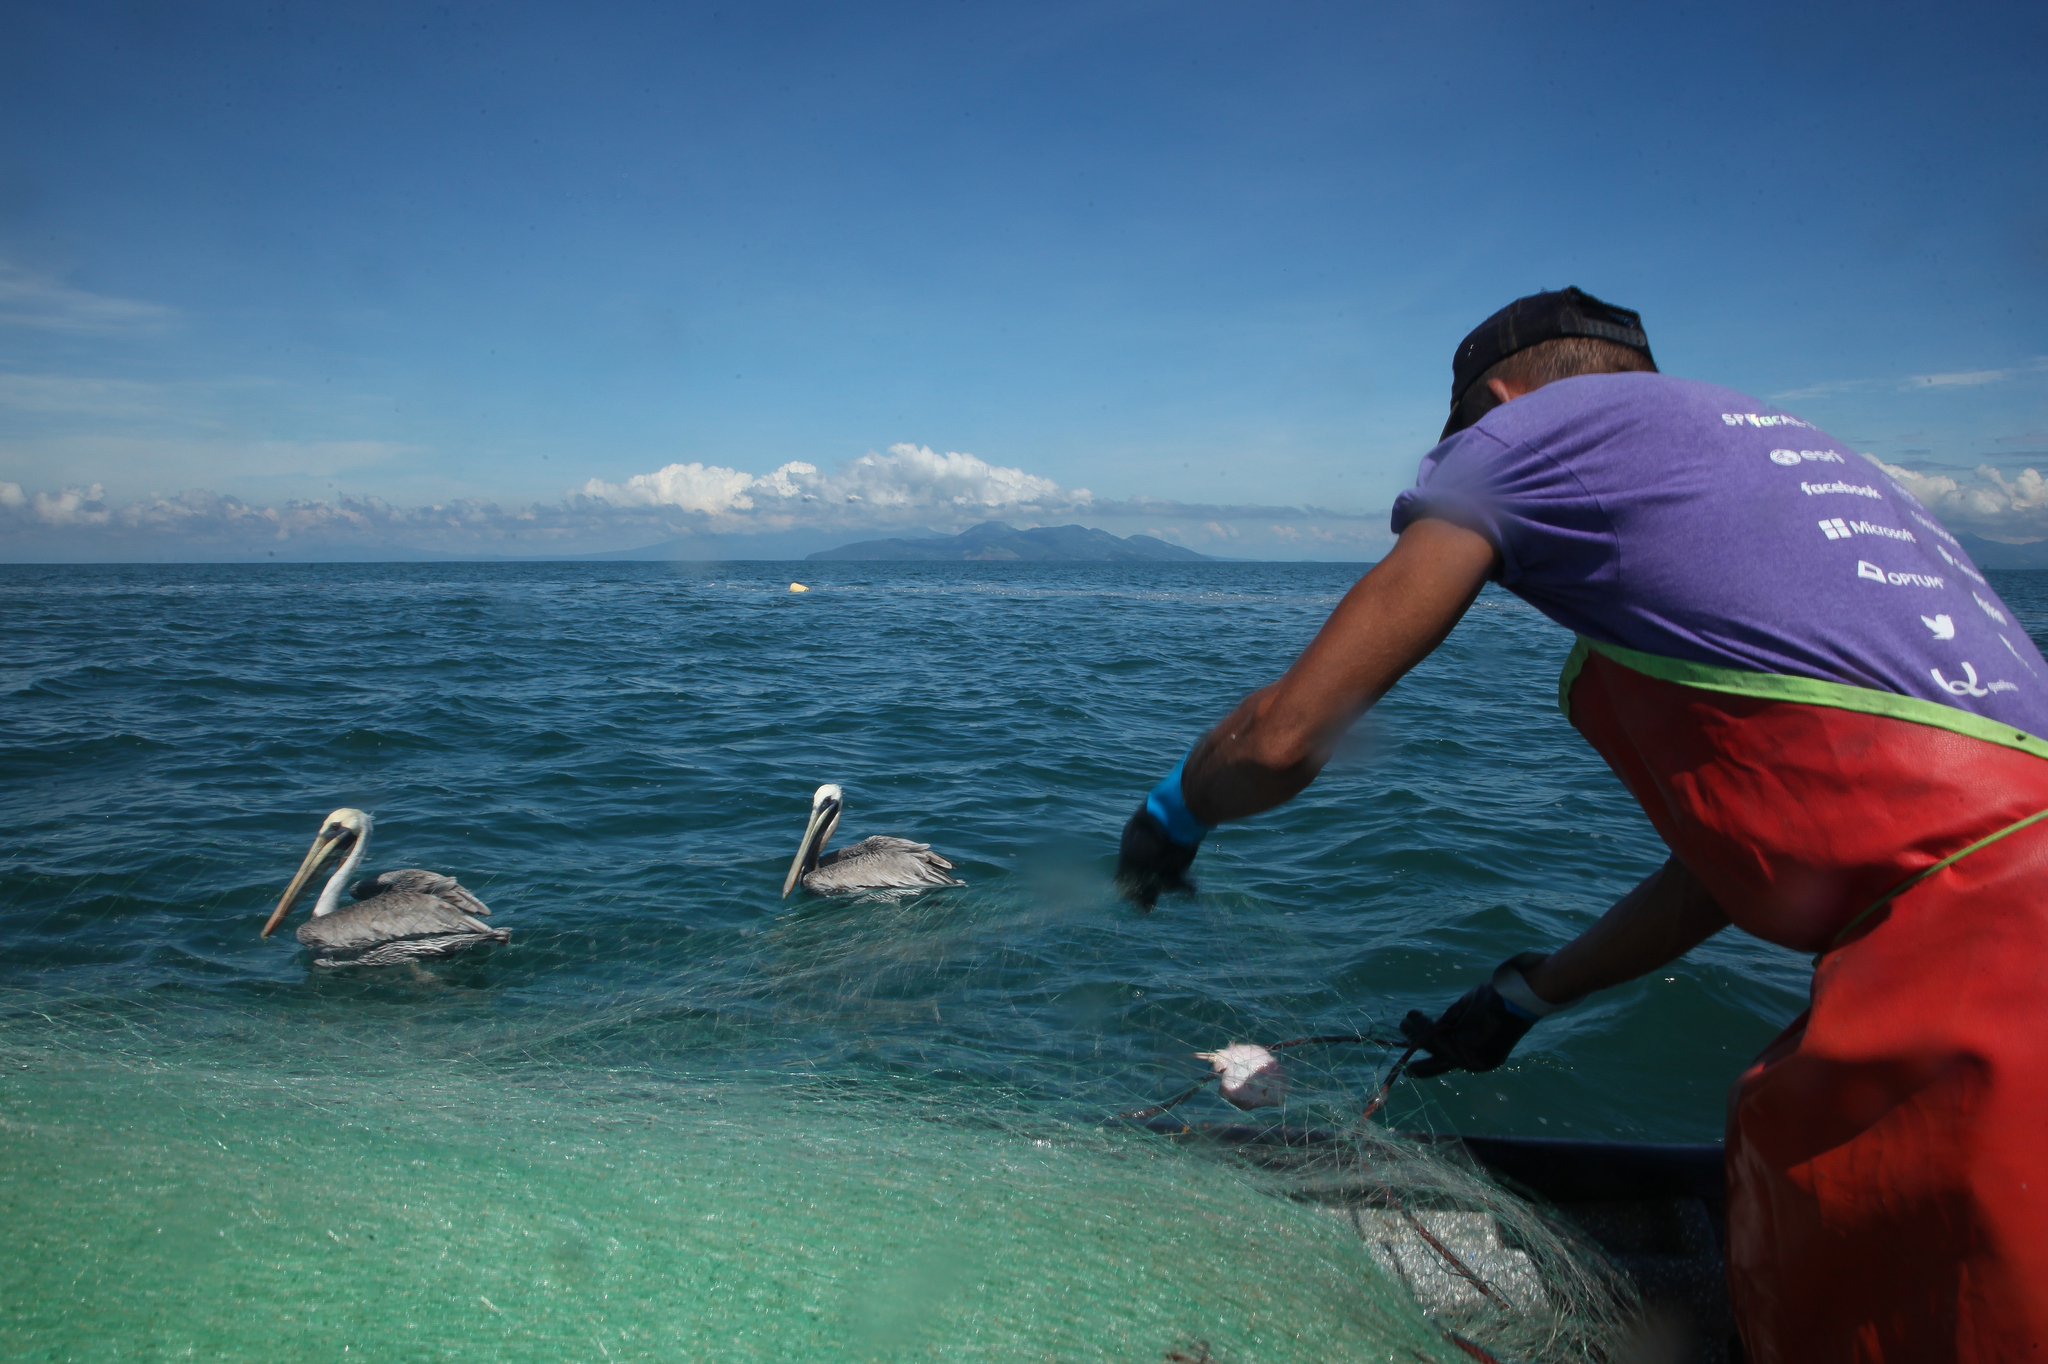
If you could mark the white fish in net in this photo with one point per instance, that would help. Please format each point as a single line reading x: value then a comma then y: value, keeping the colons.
x: 1251, y: 1076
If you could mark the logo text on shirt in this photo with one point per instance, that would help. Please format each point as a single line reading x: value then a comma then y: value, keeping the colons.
x: 1788, y: 458
x: 1936, y: 529
x: 1763, y: 419
x: 1836, y: 528
x: 2016, y: 653
x: 1814, y: 489
x: 1954, y: 562
x: 1966, y: 685
x: 1866, y: 569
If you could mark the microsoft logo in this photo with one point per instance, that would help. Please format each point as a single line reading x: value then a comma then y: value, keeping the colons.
x: 1835, y: 528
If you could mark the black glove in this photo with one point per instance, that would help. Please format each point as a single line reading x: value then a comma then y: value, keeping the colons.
x: 1476, y: 1033
x: 1148, y: 862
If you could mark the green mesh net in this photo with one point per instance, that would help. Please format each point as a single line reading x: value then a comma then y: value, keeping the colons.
x: 406, y: 1170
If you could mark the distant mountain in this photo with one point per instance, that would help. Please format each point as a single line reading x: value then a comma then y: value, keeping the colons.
x: 1993, y: 554
x: 992, y: 541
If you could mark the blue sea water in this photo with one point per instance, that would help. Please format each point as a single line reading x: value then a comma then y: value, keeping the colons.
x: 618, y: 758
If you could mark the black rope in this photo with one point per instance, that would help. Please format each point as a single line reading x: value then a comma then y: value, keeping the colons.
x: 1387, y: 1085
x: 1181, y: 1098
x: 1332, y: 1039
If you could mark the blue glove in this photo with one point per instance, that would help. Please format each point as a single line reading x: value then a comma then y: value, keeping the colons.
x: 1159, y: 843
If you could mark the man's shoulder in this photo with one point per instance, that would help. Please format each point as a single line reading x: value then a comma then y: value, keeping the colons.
x: 1617, y: 403
x: 1606, y: 434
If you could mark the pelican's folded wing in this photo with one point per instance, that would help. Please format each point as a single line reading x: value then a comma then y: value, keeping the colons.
x: 394, y: 916
x: 880, y: 863
x: 418, y: 882
x: 878, y: 844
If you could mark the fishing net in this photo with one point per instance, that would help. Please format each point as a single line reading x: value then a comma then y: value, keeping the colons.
x: 401, y: 1163
x: 678, y: 1118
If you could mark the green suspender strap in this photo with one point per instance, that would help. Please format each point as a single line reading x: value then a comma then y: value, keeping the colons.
x: 1917, y: 877
x: 1809, y: 691
x: 1806, y: 690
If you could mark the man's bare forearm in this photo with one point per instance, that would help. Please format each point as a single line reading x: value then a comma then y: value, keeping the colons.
x: 1277, y: 740
x: 1659, y: 921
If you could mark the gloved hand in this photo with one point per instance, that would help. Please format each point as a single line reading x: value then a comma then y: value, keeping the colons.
x: 1479, y: 1031
x: 1149, y: 862
x: 1159, y: 844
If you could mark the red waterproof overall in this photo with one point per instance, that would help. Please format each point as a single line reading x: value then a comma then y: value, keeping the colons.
x: 1888, y: 1153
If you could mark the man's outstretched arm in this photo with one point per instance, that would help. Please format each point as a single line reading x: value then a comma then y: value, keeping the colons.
x: 1278, y: 739
x: 1659, y: 921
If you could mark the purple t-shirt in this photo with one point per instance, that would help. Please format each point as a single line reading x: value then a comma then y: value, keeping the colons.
x: 1688, y: 521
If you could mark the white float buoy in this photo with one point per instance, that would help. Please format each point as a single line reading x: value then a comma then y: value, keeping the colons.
x: 798, y: 587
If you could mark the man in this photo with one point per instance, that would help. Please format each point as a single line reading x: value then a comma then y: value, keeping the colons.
x: 1831, y: 719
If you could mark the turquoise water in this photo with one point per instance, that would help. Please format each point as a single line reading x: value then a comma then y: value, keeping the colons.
x: 618, y: 758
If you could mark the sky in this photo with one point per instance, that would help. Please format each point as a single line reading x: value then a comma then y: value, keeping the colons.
x: 394, y: 281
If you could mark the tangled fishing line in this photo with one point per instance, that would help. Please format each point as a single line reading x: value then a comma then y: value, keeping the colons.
x: 912, y: 1162
x: 1557, y: 1297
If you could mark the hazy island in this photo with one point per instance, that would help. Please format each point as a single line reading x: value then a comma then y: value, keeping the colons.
x: 992, y: 540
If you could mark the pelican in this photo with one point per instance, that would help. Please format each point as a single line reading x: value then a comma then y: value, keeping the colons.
x: 879, y: 863
x: 397, y: 915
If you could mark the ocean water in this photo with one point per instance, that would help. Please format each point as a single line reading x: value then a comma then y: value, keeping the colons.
x: 679, y: 1116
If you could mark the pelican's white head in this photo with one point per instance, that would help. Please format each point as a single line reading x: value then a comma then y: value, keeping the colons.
x: 828, y: 802
x: 347, y: 831
x: 347, y: 818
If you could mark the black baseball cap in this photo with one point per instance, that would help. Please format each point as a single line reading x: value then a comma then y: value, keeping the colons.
x: 1530, y: 322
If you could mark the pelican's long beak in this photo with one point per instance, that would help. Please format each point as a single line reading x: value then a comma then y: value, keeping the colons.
x: 322, y: 846
x: 815, y: 834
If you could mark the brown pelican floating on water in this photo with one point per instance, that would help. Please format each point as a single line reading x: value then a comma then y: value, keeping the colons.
x: 397, y: 915
x: 878, y: 863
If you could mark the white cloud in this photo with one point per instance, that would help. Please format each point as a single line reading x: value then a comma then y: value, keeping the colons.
x: 706, y: 488
x: 50, y: 394
x: 1827, y: 389
x: 905, y: 485
x: 1965, y: 379
x: 72, y: 507
x: 193, y: 404
x: 1969, y: 378
x: 1976, y: 377
x: 1989, y: 504
x: 133, y: 462
x: 40, y: 301
x: 908, y: 488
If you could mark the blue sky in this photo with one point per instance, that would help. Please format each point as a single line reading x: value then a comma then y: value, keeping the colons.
x: 315, y: 280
